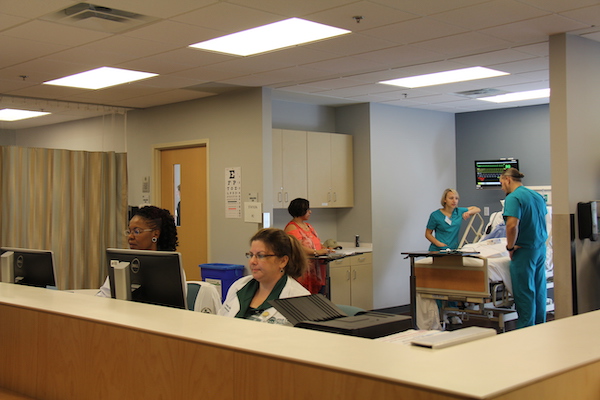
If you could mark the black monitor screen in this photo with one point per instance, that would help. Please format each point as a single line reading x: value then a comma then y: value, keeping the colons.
x: 29, y: 267
x: 156, y: 277
x: 487, y: 172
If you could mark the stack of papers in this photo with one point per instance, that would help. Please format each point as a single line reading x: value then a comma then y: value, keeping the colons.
x: 439, y: 339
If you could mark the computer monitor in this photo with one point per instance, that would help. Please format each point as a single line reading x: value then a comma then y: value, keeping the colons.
x: 146, y: 276
x: 488, y: 172
x: 28, y: 267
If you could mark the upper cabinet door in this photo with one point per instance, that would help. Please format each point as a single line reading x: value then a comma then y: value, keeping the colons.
x: 319, y: 169
x: 342, y: 171
x: 330, y: 170
x: 316, y: 166
x: 289, y: 166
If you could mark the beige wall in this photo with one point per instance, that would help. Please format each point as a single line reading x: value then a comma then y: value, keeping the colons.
x: 575, y: 140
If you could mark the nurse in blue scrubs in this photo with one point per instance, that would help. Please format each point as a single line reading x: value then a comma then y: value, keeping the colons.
x: 444, y: 224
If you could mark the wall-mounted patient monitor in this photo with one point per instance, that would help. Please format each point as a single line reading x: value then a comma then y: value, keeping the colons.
x: 28, y: 267
x: 488, y: 172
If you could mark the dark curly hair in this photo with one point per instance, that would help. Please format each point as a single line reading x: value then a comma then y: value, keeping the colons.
x: 160, y: 218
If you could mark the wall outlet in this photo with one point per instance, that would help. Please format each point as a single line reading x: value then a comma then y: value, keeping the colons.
x: 486, y: 211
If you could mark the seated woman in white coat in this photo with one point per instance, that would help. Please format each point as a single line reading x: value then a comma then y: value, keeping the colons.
x: 276, y: 260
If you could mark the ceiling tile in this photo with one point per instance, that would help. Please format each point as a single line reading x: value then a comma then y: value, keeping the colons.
x: 428, y: 7
x: 173, y: 32
x: 374, y: 15
x: 463, y: 44
x: 10, y: 21
x: 34, y: 8
x: 15, y: 50
x: 492, y: 58
x: 560, y: 5
x: 534, y: 30
x: 490, y: 14
x: 292, y: 8
x: 49, y: 32
x: 587, y: 15
x: 162, y: 9
x: 415, y: 30
x: 227, y: 18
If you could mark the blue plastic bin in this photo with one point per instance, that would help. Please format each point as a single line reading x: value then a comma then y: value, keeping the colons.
x: 221, y: 275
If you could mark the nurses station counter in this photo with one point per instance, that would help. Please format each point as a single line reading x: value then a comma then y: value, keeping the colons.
x: 62, y: 345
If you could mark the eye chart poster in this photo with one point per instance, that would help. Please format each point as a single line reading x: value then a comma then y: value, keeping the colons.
x: 233, y: 192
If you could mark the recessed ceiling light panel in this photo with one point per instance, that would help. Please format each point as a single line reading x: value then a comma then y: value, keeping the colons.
x: 518, y: 96
x: 286, y: 33
x: 11, y: 114
x: 100, y: 78
x: 440, y: 78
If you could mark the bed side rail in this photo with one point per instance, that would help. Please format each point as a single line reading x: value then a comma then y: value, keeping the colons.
x: 475, y: 227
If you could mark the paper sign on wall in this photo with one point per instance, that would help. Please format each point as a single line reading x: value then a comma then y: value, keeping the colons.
x: 253, y: 212
x: 233, y: 192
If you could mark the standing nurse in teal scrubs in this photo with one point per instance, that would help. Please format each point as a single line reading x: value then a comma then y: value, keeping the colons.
x: 444, y: 224
x: 526, y: 234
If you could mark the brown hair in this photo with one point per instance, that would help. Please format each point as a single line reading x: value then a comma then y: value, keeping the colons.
x: 514, y: 174
x: 283, y: 244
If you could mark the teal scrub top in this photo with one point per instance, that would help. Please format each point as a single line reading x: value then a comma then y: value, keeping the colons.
x: 530, y: 208
x: 446, y: 229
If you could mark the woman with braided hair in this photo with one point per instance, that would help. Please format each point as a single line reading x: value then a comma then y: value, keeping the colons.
x: 151, y: 228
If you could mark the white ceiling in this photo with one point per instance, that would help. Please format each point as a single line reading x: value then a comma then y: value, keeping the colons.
x: 395, y: 38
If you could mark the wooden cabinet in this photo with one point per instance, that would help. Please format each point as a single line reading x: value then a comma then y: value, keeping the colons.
x: 330, y: 170
x: 351, y: 281
x: 313, y: 165
x: 289, y: 166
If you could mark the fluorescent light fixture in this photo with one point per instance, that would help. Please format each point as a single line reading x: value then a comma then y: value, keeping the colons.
x: 11, y: 114
x: 440, y: 78
x: 286, y: 33
x: 518, y: 96
x: 100, y: 78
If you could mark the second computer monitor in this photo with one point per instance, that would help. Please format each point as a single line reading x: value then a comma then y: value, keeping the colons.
x: 28, y: 267
x: 155, y: 277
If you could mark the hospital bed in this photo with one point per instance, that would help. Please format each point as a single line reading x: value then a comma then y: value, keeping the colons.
x: 474, y: 282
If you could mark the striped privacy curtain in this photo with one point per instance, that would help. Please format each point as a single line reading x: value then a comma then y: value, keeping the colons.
x: 71, y: 202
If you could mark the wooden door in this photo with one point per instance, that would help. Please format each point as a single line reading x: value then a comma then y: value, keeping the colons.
x: 184, y: 182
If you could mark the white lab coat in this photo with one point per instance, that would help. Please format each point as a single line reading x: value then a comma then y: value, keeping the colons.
x: 231, y: 305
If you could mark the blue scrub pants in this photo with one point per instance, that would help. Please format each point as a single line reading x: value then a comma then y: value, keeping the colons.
x: 528, y: 275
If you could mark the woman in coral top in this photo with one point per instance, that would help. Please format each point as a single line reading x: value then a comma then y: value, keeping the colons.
x: 314, y: 279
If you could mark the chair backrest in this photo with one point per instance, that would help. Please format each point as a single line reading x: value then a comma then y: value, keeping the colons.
x: 203, y: 297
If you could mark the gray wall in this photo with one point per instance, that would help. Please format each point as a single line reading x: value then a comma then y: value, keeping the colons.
x: 522, y: 133
x: 93, y: 134
x: 413, y: 162
x: 232, y: 124
x: 8, y: 137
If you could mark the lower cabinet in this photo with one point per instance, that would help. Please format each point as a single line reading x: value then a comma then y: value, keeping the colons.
x: 351, y: 281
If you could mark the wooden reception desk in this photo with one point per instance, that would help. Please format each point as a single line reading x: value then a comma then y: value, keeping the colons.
x: 61, y: 345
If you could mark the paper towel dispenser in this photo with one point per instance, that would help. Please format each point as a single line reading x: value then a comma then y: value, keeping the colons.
x: 587, y: 220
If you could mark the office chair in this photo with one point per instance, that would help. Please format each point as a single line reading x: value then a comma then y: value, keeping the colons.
x: 203, y: 297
